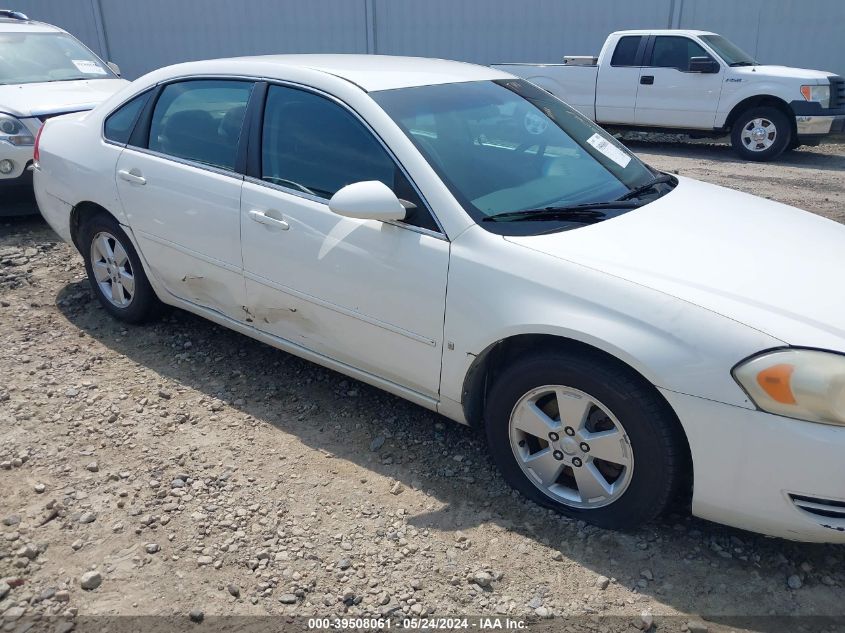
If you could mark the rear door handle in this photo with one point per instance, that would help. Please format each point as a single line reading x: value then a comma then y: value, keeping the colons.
x: 647, y: 79
x: 262, y: 218
x: 134, y: 176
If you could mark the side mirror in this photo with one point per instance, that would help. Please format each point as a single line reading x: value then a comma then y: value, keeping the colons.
x: 368, y: 200
x: 703, y: 65
x: 114, y: 68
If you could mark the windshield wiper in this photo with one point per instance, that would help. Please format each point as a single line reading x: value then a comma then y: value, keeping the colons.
x: 638, y: 191
x: 742, y: 63
x: 588, y: 213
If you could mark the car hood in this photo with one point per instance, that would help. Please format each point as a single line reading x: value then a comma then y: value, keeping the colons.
x: 773, y: 267
x: 28, y: 100
x: 783, y: 72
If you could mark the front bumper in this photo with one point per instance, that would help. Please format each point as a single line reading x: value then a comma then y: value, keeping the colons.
x: 813, y: 122
x: 819, y: 125
x: 765, y: 473
x: 21, y: 158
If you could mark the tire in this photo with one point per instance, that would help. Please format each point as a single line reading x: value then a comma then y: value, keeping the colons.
x: 650, y: 440
x: 761, y: 133
x: 134, y: 301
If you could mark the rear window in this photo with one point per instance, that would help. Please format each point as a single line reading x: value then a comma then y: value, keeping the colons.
x: 200, y: 120
x: 626, y: 51
x: 119, y: 124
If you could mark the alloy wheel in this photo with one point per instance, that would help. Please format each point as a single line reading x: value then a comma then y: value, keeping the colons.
x: 571, y: 447
x: 112, y: 269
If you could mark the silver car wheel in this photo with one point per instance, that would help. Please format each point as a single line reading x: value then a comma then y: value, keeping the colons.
x: 759, y: 134
x: 112, y: 269
x: 571, y: 447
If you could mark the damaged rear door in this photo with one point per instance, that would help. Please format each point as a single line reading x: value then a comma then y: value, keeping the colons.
x: 178, y: 184
x: 366, y: 293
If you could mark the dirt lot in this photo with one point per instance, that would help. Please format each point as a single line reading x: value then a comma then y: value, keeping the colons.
x: 193, y: 469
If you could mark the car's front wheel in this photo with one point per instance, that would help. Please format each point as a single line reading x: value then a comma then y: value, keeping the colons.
x: 585, y: 437
x: 762, y: 133
x: 115, y: 271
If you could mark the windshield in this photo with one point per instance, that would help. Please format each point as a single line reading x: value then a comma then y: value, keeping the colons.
x: 505, y: 146
x: 27, y: 58
x: 732, y: 54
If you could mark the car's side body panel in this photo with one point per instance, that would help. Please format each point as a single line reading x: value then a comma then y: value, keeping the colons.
x: 91, y: 177
x: 187, y: 220
x: 654, y: 333
x: 367, y: 293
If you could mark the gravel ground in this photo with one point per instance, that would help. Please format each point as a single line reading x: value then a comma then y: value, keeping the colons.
x: 181, y: 467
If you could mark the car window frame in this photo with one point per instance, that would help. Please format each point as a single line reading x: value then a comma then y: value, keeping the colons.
x: 140, y: 136
x: 150, y: 112
x: 151, y: 94
x: 649, y: 51
x: 252, y: 173
x: 639, y: 55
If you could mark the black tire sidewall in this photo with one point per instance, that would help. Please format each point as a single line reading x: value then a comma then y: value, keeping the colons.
x: 650, y: 431
x: 144, y: 302
x: 784, y: 133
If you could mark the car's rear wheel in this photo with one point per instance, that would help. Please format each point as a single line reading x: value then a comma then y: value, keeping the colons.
x: 761, y: 133
x: 586, y: 438
x: 115, y: 271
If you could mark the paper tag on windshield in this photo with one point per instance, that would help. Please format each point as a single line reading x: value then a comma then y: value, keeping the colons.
x: 88, y: 67
x: 610, y: 150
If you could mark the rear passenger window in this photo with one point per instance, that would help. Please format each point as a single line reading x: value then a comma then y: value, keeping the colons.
x: 200, y: 120
x: 626, y: 51
x: 119, y: 124
x: 312, y: 145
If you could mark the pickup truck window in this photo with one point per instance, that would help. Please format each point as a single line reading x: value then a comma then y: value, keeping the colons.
x: 732, y: 54
x: 503, y: 146
x: 671, y: 51
x: 626, y: 51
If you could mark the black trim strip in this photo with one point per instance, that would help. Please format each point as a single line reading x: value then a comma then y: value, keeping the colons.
x: 247, y: 139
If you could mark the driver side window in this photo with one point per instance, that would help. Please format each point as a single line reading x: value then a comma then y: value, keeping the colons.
x: 313, y: 145
x: 675, y: 52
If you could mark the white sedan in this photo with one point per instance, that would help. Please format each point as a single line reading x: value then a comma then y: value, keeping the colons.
x: 463, y: 239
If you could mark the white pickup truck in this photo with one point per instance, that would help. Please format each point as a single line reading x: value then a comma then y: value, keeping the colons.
x: 697, y: 83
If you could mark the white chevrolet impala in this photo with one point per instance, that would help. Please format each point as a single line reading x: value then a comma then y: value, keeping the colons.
x: 465, y: 240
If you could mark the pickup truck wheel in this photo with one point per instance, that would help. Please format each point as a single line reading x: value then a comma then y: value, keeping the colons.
x: 585, y: 438
x: 761, y: 133
x: 115, y: 271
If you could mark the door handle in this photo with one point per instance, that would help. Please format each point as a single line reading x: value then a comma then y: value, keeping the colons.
x: 262, y: 218
x: 133, y: 176
x: 647, y: 79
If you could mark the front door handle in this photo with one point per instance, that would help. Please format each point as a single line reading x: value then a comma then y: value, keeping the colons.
x: 262, y: 218
x: 134, y: 176
x: 647, y: 79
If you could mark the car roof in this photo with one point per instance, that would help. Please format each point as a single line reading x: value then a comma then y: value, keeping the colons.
x: 663, y: 32
x: 369, y: 72
x: 13, y: 25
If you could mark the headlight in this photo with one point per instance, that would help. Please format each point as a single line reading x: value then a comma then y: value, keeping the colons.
x: 817, y: 93
x: 14, y: 132
x: 797, y: 383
